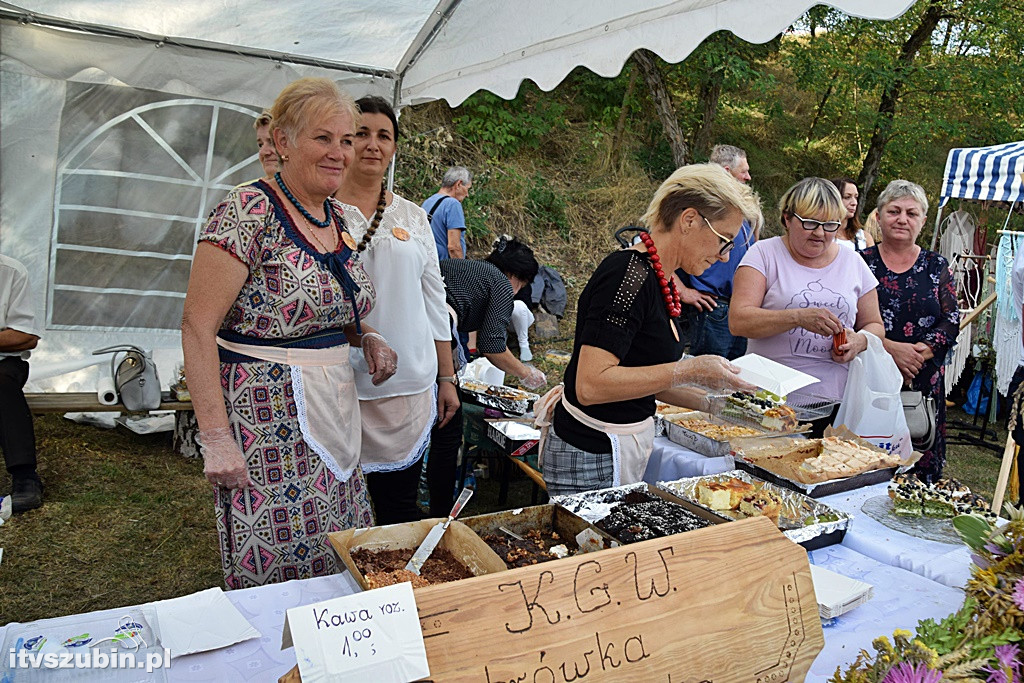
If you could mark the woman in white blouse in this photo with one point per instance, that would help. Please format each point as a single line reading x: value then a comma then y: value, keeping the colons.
x: 851, y: 234
x: 397, y: 250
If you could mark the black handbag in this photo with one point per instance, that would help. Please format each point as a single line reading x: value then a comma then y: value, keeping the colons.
x: 921, y: 419
x: 134, y: 377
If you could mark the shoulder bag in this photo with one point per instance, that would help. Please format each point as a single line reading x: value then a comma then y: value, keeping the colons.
x: 134, y: 377
x: 920, y: 413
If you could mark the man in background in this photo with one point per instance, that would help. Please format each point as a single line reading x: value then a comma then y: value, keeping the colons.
x: 444, y: 211
x: 18, y: 335
x: 708, y: 294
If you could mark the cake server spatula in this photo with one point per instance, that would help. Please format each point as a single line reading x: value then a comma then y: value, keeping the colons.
x: 434, y: 537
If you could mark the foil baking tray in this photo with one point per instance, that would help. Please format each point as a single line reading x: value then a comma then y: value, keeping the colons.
x: 506, y: 399
x: 594, y: 506
x: 820, y: 489
x: 697, y: 442
x: 803, y: 520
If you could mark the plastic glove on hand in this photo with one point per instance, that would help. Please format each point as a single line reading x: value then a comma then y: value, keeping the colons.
x: 223, y: 461
x: 380, y: 358
x: 714, y: 374
x: 534, y: 379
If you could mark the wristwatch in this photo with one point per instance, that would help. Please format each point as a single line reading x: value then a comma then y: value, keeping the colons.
x: 452, y: 379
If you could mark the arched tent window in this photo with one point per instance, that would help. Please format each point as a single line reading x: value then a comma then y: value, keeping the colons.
x: 131, y: 196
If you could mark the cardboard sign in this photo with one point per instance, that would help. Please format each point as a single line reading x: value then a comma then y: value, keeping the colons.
x: 733, y: 602
x: 366, y: 636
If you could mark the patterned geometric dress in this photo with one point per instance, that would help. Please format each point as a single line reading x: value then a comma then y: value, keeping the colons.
x: 276, y: 529
x: 920, y: 305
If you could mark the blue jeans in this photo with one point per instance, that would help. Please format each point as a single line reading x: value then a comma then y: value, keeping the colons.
x: 709, y: 333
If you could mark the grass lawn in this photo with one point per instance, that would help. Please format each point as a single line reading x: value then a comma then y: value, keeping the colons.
x: 126, y: 521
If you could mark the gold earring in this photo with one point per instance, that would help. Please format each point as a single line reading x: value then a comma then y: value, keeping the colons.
x: 284, y: 157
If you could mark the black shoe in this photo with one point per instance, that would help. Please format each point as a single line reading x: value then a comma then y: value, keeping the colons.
x: 26, y: 494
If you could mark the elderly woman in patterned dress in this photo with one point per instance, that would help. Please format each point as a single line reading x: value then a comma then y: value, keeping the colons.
x: 918, y: 304
x: 273, y: 302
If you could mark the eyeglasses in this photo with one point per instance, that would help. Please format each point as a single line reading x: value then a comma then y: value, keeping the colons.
x: 727, y: 243
x: 812, y: 225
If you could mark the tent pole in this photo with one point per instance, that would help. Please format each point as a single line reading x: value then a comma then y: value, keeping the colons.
x: 935, y: 232
x: 395, y: 98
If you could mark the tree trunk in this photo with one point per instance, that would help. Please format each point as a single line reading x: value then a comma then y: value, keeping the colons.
x: 663, y: 104
x: 819, y: 111
x: 620, y: 125
x: 891, y: 95
x: 710, y: 93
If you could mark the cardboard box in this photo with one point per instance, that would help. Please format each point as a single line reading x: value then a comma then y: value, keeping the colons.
x: 516, y: 439
x: 459, y: 539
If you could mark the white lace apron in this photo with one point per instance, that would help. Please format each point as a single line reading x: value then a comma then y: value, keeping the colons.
x: 325, y: 398
x: 631, y: 443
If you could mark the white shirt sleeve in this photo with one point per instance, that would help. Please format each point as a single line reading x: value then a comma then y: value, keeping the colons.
x: 16, y: 310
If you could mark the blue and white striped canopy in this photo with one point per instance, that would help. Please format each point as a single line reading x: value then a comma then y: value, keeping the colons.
x: 993, y: 173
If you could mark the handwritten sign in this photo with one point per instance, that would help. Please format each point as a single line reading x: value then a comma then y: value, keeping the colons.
x: 372, y: 635
x: 733, y: 602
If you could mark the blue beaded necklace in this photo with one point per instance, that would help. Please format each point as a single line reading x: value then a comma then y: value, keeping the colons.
x: 306, y: 214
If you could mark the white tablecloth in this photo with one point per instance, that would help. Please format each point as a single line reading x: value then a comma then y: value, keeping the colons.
x: 946, y: 563
x: 259, y: 659
x: 670, y: 461
x: 900, y: 600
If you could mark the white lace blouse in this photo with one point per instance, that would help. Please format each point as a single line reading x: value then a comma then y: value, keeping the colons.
x: 410, y: 310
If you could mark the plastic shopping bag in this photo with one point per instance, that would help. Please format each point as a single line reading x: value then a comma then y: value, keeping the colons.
x: 871, y: 406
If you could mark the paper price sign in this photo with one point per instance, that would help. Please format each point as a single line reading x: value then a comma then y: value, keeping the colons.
x: 349, y: 638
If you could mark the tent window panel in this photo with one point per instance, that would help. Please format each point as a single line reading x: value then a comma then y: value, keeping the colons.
x: 134, y: 233
x: 116, y: 311
x: 246, y: 174
x: 120, y: 271
x: 235, y: 139
x: 186, y: 130
x: 128, y: 194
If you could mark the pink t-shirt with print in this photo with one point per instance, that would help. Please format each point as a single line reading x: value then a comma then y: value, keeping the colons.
x: 837, y: 287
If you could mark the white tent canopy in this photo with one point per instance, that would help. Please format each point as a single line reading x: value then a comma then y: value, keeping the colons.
x: 125, y: 122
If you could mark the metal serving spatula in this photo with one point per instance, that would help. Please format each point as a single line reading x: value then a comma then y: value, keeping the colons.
x: 434, y: 537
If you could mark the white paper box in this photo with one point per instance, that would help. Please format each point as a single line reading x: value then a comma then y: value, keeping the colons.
x: 775, y: 377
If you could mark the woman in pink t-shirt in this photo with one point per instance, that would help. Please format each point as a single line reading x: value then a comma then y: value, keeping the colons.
x: 791, y: 294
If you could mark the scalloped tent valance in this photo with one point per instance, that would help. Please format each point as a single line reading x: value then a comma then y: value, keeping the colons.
x: 418, y: 50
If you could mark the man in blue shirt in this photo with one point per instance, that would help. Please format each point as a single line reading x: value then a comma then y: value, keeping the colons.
x: 708, y: 294
x: 445, y: 211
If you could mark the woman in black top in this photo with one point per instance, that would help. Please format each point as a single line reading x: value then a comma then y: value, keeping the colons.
x: 627, y: 349
x: 480, y: 294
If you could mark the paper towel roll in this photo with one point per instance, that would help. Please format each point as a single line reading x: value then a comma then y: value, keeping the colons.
x: 106, y: 394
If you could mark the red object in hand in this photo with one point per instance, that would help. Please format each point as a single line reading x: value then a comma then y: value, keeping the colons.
x: 837, y: 341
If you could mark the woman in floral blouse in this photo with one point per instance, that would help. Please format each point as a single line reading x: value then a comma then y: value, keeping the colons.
x: 918, y: 304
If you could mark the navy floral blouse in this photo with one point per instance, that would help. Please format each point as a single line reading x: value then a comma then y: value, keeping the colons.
x: 920, y: 305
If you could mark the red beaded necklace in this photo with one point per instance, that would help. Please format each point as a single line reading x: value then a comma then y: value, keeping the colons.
x: 668, y: 288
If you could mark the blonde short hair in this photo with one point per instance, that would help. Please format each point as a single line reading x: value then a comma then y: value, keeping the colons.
x: 709, y: 189
x: 812, y: 197
x: 307, y: 100
x: 898, y: 189
x: 263, y: 119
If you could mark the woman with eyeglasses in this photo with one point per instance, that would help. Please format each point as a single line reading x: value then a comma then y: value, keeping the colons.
x: 598, y: 426
x: 792, y: 294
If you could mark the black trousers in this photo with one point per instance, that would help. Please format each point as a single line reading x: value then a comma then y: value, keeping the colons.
x: 394, y: 494
x: 442, y: 465
x: 17, y: 436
